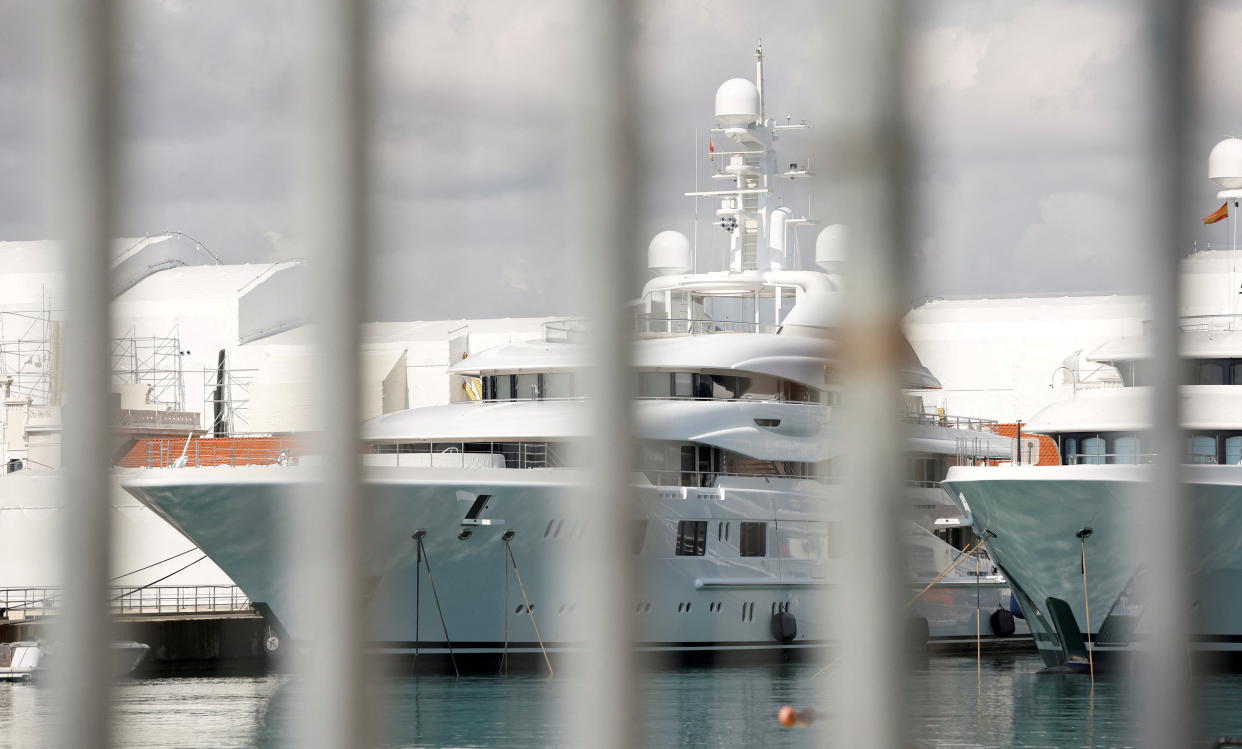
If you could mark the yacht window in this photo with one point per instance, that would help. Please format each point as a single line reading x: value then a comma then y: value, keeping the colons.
x: 1125, y: 450
x: 728, y: 386
x: 691, y: 538
x: 1093, y: 449
x: 1209, y: 373
x: 1201, y: 448
x: 1235, y: 373
x: 753, y: 539
x: 503, y: 389
x: 683, y: 385
x: 527, y: 387
x: 1070, y: 447
x: 1233, y: 450
x: 558, y: 385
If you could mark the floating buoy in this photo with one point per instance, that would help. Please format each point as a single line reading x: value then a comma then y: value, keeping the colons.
x: 789, y: 717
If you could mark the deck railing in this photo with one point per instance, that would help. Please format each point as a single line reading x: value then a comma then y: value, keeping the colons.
x: 20, y: 603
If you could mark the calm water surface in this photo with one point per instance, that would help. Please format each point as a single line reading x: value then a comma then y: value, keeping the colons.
x: 1010, y: 705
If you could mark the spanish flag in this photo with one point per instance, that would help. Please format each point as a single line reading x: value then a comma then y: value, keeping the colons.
x: 711, y: 150
x: 1221, y: 214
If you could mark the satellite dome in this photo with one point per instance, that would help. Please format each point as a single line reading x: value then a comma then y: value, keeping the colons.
x: 830, y: 248
x: 737, y: 102
x: 1225, y: 164
x: 669, y: 253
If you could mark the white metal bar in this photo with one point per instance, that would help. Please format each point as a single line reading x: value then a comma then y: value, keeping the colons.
x: 1165, y: 689
x: 601, y: 706
x: 865, y: 135
x: 84, y: 200
x: 329, y: 516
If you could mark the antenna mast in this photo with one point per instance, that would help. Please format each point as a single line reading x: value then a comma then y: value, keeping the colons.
x: 759, y: 79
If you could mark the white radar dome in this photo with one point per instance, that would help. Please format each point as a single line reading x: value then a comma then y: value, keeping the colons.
x: 669, y: 253
x: 737, y: 102
x: 1225, y: 164
x: 830, y: 248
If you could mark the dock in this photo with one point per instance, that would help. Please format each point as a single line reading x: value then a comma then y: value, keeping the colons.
x: 192, y: 630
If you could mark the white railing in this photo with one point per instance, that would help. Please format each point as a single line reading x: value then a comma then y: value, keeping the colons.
x: 132, y: 600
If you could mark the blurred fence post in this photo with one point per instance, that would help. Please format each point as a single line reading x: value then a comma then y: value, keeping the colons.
x: 1165, y: 689
x: 600, y: 710
x: 864, y: 71
x: 325, y: 548
x: 84, y: 198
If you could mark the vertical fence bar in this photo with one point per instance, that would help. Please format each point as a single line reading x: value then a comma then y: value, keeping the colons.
x: 600, y: 711
x: 84, y: 200
x: 866, y: 140
x: 326, y: 547
x: 1165, y: 687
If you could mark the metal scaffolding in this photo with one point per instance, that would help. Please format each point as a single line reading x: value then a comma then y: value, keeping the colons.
x: 153, y: 361
x: 27, y: 343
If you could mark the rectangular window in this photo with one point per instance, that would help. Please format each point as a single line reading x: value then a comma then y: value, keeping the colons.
x: 503, y: 390
x: 691, y: 538
x: 752, y: 541
x: 527, y: 387
x: 683, y: 385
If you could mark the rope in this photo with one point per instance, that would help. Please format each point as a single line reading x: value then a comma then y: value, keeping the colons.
x: 160, y: 580
x: 1082, y: 540
x: 431, y: 578
x: 529, y: 610
x: 830, y: 664
x: 504, y: 610
x: 418, y: 601
x: 154, y: 564
x: 978, y: 625
x: 965, y: 555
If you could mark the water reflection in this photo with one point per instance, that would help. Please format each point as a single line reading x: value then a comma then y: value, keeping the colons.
x: 1005, y: 704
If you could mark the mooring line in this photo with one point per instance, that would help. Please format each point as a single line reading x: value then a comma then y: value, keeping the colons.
x: 1086, y: 604
x: 530, y: 611
x: 504, y: 610
x: 432, y: 579
x: 965, y: 555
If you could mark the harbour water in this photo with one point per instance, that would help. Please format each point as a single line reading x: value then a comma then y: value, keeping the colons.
x: 1006, y: 703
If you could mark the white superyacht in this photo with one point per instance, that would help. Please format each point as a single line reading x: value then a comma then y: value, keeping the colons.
x: 1042, y: 521
x: 736, y: 389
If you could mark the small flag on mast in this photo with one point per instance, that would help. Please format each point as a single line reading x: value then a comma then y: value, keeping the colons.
x: 1220, y: 214
x: 711, y: 150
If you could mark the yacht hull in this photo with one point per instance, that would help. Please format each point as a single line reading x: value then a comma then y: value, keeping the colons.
x: 718, y: 601
x: 1036, y: 514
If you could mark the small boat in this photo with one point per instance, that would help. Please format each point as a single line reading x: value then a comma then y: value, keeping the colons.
x: 23, y: 661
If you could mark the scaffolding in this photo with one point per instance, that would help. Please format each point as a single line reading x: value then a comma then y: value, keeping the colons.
x: 154, y: 361
x: 226, y: 400
x: 28, y: 342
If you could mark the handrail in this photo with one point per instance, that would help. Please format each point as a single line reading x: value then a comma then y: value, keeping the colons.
x: 133, y: 599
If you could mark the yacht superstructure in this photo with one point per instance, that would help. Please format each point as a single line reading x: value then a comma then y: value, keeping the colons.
x: 733, y: 506
x: 1060, y: 533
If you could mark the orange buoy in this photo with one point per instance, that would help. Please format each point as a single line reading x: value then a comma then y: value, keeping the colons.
x: 788, y: 717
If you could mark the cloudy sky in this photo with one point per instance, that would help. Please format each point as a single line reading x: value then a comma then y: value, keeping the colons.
x: 1026, y: 113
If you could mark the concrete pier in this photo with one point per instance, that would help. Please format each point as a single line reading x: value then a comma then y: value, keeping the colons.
x: 181, y: 644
